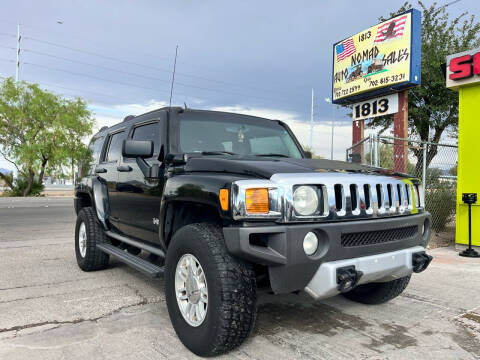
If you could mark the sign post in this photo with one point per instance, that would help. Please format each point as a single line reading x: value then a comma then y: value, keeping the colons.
x: 463, y: 75
x: 400, y: 130
x: 357, y: 135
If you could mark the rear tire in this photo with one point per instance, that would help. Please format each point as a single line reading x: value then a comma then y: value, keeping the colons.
x: 89, y: 233
x: 228, y: 316
x: 378, y: 293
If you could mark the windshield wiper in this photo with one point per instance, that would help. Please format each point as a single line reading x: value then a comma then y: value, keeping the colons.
x: 217, y: 153
x: 273, y: 155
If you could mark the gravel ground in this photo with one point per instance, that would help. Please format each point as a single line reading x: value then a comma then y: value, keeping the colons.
x: 49, y: 309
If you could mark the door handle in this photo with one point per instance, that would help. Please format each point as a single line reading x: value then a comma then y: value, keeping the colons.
x: 100, y: 170
x: 124, y: 168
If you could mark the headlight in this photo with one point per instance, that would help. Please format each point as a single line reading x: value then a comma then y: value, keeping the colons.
x: 305, y: 200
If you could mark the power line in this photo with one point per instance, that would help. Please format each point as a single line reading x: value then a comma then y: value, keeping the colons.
x: 116, y: 59
x: 96, y: 54
x: 152, y: 67
x: 7, y: 47
x: 111, y: 81
x: 94, y: 65
x: 83, y: 91
x: 93, y: 77
x: 130, y: 84
x: 450, y: 3
x: 156, y: 56
x: 7, y: 34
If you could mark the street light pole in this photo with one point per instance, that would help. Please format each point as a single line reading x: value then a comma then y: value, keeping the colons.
x: 328, y: 100
x: 311, y: 125
x: 333, y: 131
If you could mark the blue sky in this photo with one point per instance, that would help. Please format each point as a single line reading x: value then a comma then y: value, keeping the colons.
x: 260, y: 57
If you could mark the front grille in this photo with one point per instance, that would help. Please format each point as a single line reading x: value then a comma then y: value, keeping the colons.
x: 378, y: 236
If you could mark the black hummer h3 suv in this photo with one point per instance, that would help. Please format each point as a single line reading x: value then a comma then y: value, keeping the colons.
x: 215, y: 201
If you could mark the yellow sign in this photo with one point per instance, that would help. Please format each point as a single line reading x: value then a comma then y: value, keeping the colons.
x: 380, y: 59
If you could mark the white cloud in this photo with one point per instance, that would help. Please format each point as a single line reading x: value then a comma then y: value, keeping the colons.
x: 109, y: 116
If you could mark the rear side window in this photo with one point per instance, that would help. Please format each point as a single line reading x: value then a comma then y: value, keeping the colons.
x: 95, y: 149
x: 114, y: 150
x: 148, y: 132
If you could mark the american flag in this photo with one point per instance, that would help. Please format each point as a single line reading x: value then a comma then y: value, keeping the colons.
x: 345, y: 49
x: 391, y: 29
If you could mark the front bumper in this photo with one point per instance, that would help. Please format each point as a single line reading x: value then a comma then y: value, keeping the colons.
x: 280, y: 247
x: 382, y: 267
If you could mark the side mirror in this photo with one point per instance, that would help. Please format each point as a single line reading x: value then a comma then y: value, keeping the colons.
x: 137, y: 148
x: 308, y: 154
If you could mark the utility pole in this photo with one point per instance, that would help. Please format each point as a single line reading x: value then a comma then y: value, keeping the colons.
x: 328, y: 100
x: 311, y: 125
x: 333, y: 130
x: 19, y: 37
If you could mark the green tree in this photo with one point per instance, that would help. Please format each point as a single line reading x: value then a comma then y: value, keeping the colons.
x: 432, y: 107
x: 40, y: 131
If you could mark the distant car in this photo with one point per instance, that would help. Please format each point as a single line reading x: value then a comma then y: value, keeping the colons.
x: 215, y: 201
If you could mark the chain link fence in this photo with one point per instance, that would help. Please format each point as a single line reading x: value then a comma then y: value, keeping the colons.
x: 435, y: 164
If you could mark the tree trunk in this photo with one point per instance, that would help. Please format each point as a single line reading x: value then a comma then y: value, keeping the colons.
x: 42, y: 171
x: 31, y: 178
x: 432, y: 151
x: 73, y: 171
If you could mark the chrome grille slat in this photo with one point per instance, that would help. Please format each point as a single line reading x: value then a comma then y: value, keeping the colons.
x: 402, y: 203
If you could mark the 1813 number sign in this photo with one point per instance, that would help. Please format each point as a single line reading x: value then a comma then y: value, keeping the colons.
x: 376, y: 107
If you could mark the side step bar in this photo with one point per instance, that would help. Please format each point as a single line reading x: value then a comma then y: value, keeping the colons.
x: 132, y: 260
x: 136, y: 243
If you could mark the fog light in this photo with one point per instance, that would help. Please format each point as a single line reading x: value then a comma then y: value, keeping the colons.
x: 310, y: 243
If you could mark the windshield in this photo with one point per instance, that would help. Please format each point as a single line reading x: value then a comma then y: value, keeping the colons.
x: 236, y: 135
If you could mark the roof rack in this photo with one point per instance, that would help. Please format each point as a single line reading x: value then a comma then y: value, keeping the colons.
x: 128, y: 117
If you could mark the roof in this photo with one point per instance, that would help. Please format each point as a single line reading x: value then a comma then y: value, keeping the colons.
x: 131, y: 119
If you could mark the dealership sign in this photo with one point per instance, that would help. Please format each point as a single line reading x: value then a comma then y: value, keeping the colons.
x: 382, y: 59
x: 463, y: 68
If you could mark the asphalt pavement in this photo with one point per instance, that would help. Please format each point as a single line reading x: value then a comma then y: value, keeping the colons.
x: 50, y: 309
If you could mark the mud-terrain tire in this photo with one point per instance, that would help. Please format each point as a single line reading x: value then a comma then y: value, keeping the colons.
x: 89, y: 257
x: 230, y: 283
x: 378, y: 293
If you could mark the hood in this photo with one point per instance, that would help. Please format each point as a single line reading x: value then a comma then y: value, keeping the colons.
x: 266, y: 167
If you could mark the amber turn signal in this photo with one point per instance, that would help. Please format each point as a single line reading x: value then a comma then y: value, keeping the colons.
x: 223, y: 195
x: 256, y: 201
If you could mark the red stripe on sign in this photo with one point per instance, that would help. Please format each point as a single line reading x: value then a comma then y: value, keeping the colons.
x: 396, y: 28
x: 345, y: 54
x: 383, y: 36
x: 396, y: 20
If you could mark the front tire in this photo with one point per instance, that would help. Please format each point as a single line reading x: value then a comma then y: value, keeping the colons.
x: 220, y: 288
x: 89, y: 233
x: 378, y: 293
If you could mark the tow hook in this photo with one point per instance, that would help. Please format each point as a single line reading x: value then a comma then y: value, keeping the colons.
x: 347, y: 278
x: 420, y: 261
